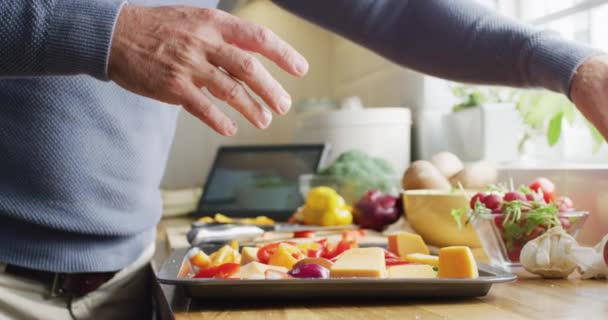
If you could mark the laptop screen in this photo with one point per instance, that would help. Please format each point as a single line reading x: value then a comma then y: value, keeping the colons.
x: 258, y: 180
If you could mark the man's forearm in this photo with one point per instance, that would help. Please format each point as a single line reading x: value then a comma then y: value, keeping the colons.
x: 56, y: 37
x: 454, y: 39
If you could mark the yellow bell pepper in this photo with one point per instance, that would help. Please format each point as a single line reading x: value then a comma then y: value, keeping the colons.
x: 220, y: 218
x: 286, y: 256
x: 325, y: 207
x: 225, y: 254
x: 198, y: 258
x: 305, y: 246
x: 234, y: 244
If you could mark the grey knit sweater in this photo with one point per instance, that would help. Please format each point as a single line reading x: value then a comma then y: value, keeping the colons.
x: 81, y: 159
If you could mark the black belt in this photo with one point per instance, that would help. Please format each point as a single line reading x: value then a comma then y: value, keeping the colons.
x: 63, y: 284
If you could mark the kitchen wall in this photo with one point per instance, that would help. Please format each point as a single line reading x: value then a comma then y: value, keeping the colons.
x: 339, y: 69
x: 379, y: 82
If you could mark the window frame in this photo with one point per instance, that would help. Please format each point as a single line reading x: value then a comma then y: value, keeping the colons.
x: 554, y: 16
x: 515, y: 9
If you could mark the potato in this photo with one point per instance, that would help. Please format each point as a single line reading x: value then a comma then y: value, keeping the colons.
x: 423, y: 175
x: 476, y: 175
x: 447, y: 163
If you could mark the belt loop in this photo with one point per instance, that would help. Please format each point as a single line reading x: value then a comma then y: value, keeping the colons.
x: 57, y: 287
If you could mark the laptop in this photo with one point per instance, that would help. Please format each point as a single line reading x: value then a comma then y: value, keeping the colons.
x: 248, y: 181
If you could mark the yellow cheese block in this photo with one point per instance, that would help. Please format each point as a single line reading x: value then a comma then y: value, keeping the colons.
x: 404, y: 243
x: 412, y: 271
x: 422, y: 259
x: 256, y: 270
x: 360, y: 262
x: 457, y: 262
x: 249, y: 254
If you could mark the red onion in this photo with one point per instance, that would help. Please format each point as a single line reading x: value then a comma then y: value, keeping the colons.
x: 377, y: 210
x: 310, y: 270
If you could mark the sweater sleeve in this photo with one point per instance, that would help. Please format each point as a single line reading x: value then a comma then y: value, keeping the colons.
x: 454, y: 39
x: 56, y: 37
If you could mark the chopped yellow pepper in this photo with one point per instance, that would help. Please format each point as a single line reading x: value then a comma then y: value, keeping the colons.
x: 225, y: 254
x: 285, y: 256
x: 220, y: 218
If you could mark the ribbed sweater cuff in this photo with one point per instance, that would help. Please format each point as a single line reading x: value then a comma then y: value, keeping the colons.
x: 80, y: 36
x: 552, y: 61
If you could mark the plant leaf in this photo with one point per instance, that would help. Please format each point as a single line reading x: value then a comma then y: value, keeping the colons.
x: 570, y: 111
x: 555, y: 129
x: 459, y: 92
x: 537, y: 107
x: 598, y: 139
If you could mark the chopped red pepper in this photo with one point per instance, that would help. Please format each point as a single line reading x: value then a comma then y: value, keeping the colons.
x: 315, y: 253
x: 390, y: 255
x: 223, y: 271
x: 353, y: 235
x: 265, y: 252
x: 340, y: 248
x: 394, y: 262
x: 209, y: 272
x: 304, y: 234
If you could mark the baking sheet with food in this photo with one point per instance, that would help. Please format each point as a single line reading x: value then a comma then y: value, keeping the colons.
x: 309, y: 267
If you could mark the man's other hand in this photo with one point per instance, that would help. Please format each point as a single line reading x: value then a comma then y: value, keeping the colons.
x: 589, y: 92
x: 171, y: 53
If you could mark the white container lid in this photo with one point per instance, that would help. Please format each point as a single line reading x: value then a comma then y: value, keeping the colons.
x: 359, y: 117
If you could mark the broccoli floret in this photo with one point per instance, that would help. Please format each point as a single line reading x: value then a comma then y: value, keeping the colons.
x: 353, y: 156
x: 362, y: 172
x: 384, y: 166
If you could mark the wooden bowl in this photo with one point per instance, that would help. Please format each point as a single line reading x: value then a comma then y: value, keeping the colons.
x: 429, y: 212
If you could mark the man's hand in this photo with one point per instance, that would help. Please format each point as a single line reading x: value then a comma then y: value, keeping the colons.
x: 589, y: 92
x: 170, y: 53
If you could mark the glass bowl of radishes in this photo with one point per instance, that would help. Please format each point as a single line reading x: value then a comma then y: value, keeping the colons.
x: 506, y: 218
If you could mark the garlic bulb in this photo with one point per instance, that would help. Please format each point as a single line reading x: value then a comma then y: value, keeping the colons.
x: 592, y: 262
x: 549, y: 254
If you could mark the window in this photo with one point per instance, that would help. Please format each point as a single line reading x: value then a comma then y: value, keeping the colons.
x: 580, y: 20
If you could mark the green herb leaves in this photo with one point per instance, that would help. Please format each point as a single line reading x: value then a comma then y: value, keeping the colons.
x: 457, y: 215
x: 518, y: 219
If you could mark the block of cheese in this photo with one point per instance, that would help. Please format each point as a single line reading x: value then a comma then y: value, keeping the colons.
x: 457, y: 262
x: 256, y: 270
x: 412, y: 271
x: 249, y: 254
x: 421, y: 258
x: 404, y: 243
x: 360, y: 262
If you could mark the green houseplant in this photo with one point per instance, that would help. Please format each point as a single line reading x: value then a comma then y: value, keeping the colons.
x: 543, y: 112
x: 483, y: 124
x: 547, y: 112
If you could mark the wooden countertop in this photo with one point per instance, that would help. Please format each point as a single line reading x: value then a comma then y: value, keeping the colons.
x: 528, y: 298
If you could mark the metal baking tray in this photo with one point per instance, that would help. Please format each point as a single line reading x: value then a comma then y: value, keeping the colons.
x: 338, y: 288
